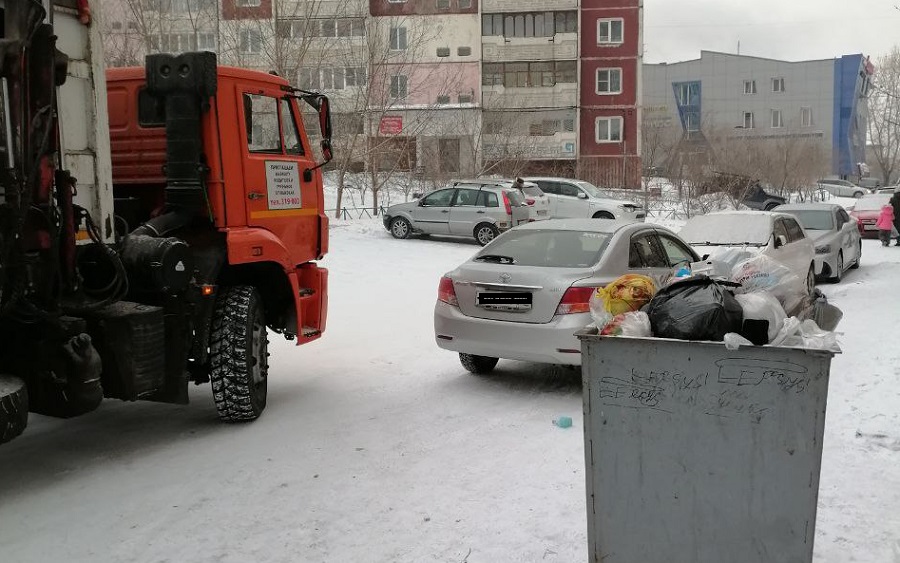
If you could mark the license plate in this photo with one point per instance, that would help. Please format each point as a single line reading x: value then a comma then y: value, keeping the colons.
x: 870, y: 227
x: 542, y: 212
x: 504, y: 301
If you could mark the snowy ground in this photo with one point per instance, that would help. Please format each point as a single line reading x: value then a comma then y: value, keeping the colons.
x: 378, y: 447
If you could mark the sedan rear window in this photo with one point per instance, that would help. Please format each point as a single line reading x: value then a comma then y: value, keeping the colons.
x: 813, y: 219
x: 872, y: 202
x: 551, y: 249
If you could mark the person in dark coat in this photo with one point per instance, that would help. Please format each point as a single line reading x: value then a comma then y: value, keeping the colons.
x: 895, y: 202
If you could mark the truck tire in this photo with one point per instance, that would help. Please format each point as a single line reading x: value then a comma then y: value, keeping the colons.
x: 238, y: 354
x: 13, y: 407
x: 604, y: 215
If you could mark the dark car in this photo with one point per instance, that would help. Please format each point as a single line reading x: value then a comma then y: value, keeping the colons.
x: 758, y: 198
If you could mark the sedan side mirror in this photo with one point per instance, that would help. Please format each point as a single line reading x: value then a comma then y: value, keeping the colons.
x: 582, y: 195
x: 780, y: 241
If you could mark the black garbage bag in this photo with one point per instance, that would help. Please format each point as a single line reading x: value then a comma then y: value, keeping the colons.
x: 696, y: 308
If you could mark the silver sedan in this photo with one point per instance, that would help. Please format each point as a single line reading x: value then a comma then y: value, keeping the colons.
x: 525, y: 294
x: 834, y: 233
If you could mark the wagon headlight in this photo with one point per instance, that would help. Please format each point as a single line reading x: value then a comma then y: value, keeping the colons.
x: 823, y: 249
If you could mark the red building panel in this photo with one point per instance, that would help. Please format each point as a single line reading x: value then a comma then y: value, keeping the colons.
x: 246, y: 10
x: 422, y: 7
x: 612, y: 164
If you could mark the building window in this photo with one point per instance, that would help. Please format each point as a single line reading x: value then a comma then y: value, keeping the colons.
x: 355, y: 76
x: 608, y: 129
x: 464, y: 51
x: 465, y: 98
x: 609, y: 80
x: 569, y: 125
x: 464, y: 4
x: 290, y: 29
x: 529, y: 75
x: 692, y: 121
x: 250, y: 41
x: 529, y: 24
x: 610, y: 31
x: 443, y: 51
x: 749, y: 86
x: 399, y: 85
x: 132, y: 26
x: 777, y: 119
x: 398, y: 39
x: 748, y: 120
x: 117, y: 26
x: 247, y: 3
x: 333, y: 78
x: 397, y: 1
x: 443, y: 100
x: 778, y: 84
x: 206, y: 41
x: 806, y: 118
x: 443, y: 4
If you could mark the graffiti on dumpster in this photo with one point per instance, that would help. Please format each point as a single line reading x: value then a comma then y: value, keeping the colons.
x: 730, y: 393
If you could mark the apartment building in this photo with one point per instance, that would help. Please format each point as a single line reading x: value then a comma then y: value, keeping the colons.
x: 439, y: 87
x: 822, y: 102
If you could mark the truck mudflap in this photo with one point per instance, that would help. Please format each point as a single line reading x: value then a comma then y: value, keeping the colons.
x: 308, y: 282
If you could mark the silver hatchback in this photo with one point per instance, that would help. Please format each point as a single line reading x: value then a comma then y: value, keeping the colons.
x: 465, y: 210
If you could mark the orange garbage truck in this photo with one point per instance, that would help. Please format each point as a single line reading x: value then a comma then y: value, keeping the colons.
x: 156, y: 223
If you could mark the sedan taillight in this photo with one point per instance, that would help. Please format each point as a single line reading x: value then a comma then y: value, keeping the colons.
x: 529, y: 201
x: 447, y: 293
x: 575, y: 300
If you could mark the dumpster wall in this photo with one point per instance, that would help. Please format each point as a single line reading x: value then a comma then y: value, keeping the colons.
x: 698, y: 454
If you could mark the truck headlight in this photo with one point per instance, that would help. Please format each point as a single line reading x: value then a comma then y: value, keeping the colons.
x: 823, y: 249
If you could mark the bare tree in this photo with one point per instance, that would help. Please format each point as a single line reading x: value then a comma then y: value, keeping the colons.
x: 884, y: 115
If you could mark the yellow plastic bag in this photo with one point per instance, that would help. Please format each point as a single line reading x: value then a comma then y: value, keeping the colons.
x: 624, y: 294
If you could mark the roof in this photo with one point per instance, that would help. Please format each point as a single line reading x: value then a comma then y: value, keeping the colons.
x: 589, y: 225
x: 139, y: 73
x: 749, y: 213
x: 704, y: 52
x: 799, y: 206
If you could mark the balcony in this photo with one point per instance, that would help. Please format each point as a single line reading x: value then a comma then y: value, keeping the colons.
x: 496, y: 6
x: 495, y: 48
x: 562, y: 95
x: 560, y: 145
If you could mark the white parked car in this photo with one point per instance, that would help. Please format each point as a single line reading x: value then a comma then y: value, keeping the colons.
x: 537, y: 201
x: 777, y: 235
x: 525, y: 294
x: 578, y: 199
x: 841, y: 188
x: 480, y: 211
x: 835, y: 234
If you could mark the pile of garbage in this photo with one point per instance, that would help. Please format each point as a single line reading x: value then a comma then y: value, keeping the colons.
x: 755, y: 301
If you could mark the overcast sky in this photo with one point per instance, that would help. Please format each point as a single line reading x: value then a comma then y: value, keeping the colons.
x: 792, y: 30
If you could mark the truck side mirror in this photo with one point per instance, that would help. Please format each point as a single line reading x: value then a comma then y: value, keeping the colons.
x: 582, y: 195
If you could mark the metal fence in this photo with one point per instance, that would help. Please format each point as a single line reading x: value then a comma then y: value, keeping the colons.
x: 350, y: 213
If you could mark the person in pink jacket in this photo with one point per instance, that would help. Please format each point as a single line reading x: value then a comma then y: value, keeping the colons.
x: 885, y: 224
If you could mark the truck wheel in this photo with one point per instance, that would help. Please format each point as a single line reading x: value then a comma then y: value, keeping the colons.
x: 485, y: 233
x: 857, y: 195
x: 479, y: 365
x: 238, y: 354
x: 603, y: 215
x: 400, y: 228
x: 13, y: 407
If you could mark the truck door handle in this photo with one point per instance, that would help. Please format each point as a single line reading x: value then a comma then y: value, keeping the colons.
x: 482, y: 212
x: 255, y: 195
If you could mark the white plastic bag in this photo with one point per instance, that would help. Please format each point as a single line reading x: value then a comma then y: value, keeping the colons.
x: 805, y: 334
x: 720, y: 263
x: 633, y: 323
x: 763, y: 306
x: 762, y: 273
x: 733, y: 341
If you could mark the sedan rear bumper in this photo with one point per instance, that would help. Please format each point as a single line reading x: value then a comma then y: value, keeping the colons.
x: 551, y: 343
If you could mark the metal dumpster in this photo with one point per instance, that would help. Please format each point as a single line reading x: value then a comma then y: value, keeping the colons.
x: 698, y: 454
